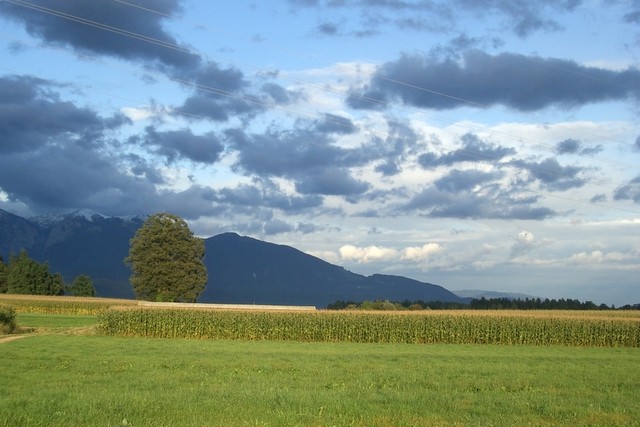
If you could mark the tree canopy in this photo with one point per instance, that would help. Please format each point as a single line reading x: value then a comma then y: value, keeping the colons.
x: 26, y: 276
x: 166, y: 261
x: 4, y: 271
x: 82, y: 286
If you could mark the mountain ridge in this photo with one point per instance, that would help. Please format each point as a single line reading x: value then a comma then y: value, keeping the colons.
x: 241, y: 269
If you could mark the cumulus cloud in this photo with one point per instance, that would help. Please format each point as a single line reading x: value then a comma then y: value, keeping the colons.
x: 106, y: 27
x: 33, y: 115
x: 366, y: 254
x: 481, y: 80
x: 182, y: 144
x: 265, y: 193
x: 473, y: 149
x: 421, y: 253
x: 116, y: 29
x: 598, y: 257
x: 630, y: 191
x: 524, y: 243
x: 310, y: 159
x: 490, y: 203
x: 552, y: 175
x: 574, y: 146
x: 568, y: 146
x: 333, y: 123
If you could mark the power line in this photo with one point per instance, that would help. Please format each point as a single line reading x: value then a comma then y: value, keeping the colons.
x: 213, y: 90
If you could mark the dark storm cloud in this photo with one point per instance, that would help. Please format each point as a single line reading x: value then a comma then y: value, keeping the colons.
x: 332, y: 123
x: 142, y: 168
x: 473, y: 150
x: 182, y: 144
x: 331, y: 181
x: 286, y: 154
x: 107, y: 27
x: 630, y: 191
x: 490, y: 204
x: 525, y: 83
x: 57, y: 156
x: 306, y: 156
x: 568, y: 146
x: 223, y: 93
x: 265, y: 193
x: 401, y: 141
x: 32, y: 114
x: 278, y: 94
x: 573, y: 146
x: 219, y: 106
x: 552, y: 175
x: 66, y: 176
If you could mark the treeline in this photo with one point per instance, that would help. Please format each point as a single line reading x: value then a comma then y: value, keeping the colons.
x: 22, y: 275
x: 479, y: 304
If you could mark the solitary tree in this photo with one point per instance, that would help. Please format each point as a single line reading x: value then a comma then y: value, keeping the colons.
x: 82, y: 286
x: 166, y: 260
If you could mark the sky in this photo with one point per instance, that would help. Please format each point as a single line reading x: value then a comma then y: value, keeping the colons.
x: 485, y: 144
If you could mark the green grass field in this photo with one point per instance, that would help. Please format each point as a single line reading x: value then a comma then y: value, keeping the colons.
x: 74, y: 380
x: 41, y: 322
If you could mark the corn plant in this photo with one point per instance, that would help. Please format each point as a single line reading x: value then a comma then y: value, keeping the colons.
x: 454, y: 328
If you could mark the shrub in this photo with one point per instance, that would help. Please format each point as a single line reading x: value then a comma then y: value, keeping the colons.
x: 7, y: 319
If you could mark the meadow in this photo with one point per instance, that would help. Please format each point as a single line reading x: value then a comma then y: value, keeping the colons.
x: 65, y: 373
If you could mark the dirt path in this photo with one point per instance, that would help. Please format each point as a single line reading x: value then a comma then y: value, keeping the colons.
x: 11, y: 338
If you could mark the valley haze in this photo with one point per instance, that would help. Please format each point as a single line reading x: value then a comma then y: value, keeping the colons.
x: 474, y: 144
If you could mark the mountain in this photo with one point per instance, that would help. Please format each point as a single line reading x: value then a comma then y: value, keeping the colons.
x: 241, y: 269
x: 82, y: 242
x: 477, y: 294
x: 247, y: 270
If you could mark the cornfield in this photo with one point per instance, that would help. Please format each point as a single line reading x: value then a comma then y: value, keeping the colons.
x: 464, y: 327
x: 60, y: 304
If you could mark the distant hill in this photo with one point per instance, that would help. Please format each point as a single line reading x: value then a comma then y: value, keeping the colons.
x: 246, y: 270
x: 82, y: 242
x: 240, y: 269
x: 477, y: 294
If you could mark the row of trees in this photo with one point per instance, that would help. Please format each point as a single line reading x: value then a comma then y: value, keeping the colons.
x: 166, y: 260
x: 478, y: 304
x: 22, y: 275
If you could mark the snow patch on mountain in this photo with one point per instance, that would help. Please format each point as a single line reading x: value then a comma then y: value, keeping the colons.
x: 88, y: 214
x: 48, y: 221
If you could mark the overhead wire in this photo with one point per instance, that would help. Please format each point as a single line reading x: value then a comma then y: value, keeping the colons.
x: 468, y: 102
x: 201, y: 87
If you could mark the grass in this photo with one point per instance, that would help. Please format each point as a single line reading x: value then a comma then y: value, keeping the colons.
x: 69, y: 380
x: 43, y: 322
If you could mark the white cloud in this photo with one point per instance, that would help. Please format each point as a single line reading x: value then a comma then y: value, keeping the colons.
x: 597, y: 257
x: 137, y: 114
x: 366, y: 254
x: 328, y: 256
x: 524, y: 243
x: 421, y: 253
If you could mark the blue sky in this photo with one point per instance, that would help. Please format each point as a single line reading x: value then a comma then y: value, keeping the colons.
x: 473, y: 144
